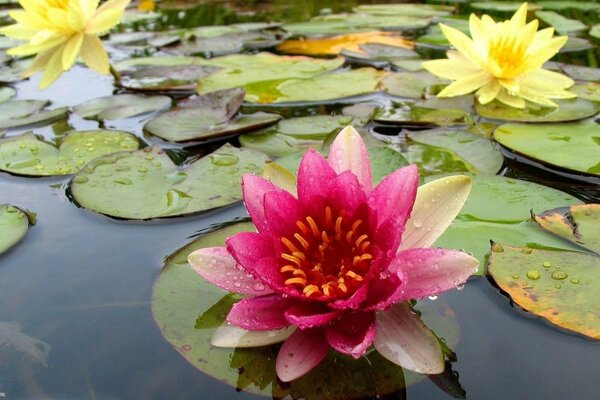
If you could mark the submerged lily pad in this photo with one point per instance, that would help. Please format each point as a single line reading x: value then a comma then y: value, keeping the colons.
x: 559, y: 286
x: 28, y: 112
x: 208, y: 116
x: 30, y: 155
x: 188, y: 310
x: 499, y: 209
x: 146, y: 184
x: 14, y: 224
x: 572, y: 146
x: 121, y: 106
x: 567, y: 110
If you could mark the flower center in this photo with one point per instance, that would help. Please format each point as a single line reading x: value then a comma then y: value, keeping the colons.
x: 508, y: 52
x: 328, y: 257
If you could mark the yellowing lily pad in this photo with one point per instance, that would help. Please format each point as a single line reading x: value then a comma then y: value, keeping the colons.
x: 28, y: 112
x: 572, y: 146
x: 335, y: 44
x: 121, y: 106
x: 206, y: 117
x: 559, y: 286
x: 14, y: 224
x: 567, y: 110
x: 145, y: 184
x: 30, y: 155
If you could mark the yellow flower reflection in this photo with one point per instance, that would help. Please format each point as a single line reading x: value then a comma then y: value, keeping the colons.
x: 503, y: 60
x: 60, y: 30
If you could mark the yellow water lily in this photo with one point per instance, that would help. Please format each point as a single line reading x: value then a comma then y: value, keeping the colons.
x: 503, y: 61
x: 60, y: 30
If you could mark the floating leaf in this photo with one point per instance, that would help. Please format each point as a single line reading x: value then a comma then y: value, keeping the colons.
x: 30, y: 155
x: 559, y: 286
x: 499, y: 209
x: 186, y: 309
x: 416, y: 114
x: 409, y: 84
x: 359, y: 22
x: 208, y: 116
x: 146, y: 184
x: 228, y: 43
x: 334, y: 45
x: 573, y: 146
x: 275, y: 144
x: 565, y: 5
x: 121, y: 106
x: 568, y: 110
x: 415, y: 10
x: 589, y: 91
x: 14, y: 224
x: 242, y: 70
x: 6, y: 93
x: 314, y: 126
x: 575, y: 44
x: 502, y: 6
x: 561, y: 24
x: 27, y: 112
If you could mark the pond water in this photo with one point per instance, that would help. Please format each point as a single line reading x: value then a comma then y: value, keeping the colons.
x: 82, y: 283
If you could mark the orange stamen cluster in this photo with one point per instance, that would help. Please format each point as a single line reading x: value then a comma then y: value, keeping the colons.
x: 326, y: 257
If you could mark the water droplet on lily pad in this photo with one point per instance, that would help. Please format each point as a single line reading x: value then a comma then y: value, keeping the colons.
x: 533, y: 274
x: 223, y: 159
x: 559, y: 275
x: 546, y: 264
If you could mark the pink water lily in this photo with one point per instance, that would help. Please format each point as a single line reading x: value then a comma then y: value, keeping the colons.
x: 334, y: 262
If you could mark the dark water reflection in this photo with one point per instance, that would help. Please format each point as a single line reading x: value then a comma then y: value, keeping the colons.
x: 82, y: 283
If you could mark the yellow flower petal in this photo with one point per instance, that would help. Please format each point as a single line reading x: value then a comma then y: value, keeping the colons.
x: 547, y: 79
x: 511, y: 101
x: 53, y: 69
x: 488, y: 92
x: 103, y: 21
x: 113, y: 5
x: 466, y: 85
x: 511, y: 85
x: 518, y: 20
x: 39, y: 62
x: 451, y: 69
x: 94, y: 55
x: 71, y: 51
x: 461, y: 42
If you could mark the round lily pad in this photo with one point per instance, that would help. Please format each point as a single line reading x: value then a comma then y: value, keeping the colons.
x: 30, y: 155
x: 275, y: 144
x: 121, y: 106
x: 27, y: 112
x: 409, y: 84
x: 6, y: 93
x: 209, y: 116
x: 14, y: 224
x: 500, y: 209
x: 572, y: 146
x: 146, y: 184
x: 313, y: 127
x: 560, y: 286
x: 567, y: 110
x: 188, y: 310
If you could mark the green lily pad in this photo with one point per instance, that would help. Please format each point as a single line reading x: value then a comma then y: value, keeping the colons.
x: 567, y: 110
x: 145, y: 184
x: 476, y: 150
x: 588, y: 90
x: 121, y: 106
x: 358, y: 22
x: 243, y: 69
x: 579, y: 72
x: 380, y: 54
x: 321, y: 88
x: 7, y: 93
x: 14, y: 224
x: 559, y: 286
x: 499, y: 209
x: 415, y: 10
x: 275, y: 144
x: 575, y: 44
x: 502, y: 6
x: 573, y: 146
x: 314, y: 126
x: 409, y: 84
x: 188, y: 309
x: 561, y: 25
x: 228, y: 43
x: 30, y: 155
x: 28, y: 112
x: 207, y: 117
x: 565, y: 5
x: 595, y: 31
x: 415, y: 114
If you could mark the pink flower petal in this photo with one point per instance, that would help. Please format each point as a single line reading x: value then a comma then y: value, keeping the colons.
x: 347, y: 194
x: 282, y: 210
x: 404, y: 339
x: 231, y: 336
x: 431, y: 271
x: 256, y: 254
x: 309, y: 315
x: 216, y: 266
x: 348, y: 153
x: 254, y: 189
x: 300, y: 353
x: 384, y: 292
x: 315, y: 177
x: 352, y: 334
x: 352, y: 302
x: 260, y: 313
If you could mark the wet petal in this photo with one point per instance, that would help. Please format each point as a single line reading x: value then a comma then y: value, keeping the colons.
x: 310, y: 315
x: 347, y: 194
x: 216, y: 265
x: 432, y: 271
x: 282, y: 210
x: 352, y: 334
x: 314, y: 177
x: 231, y: 336
x: 404, y: 339
x: 300, y: 353
x: 260, y: 313
x: 436, y: 205
x: 254, y: 189
x: 348, y: 153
